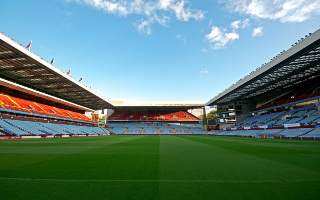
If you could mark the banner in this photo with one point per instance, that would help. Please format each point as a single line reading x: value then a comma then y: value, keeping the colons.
x: 291, y: 125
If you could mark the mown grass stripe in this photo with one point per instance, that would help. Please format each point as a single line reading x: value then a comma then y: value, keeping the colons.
x: 157, y: 180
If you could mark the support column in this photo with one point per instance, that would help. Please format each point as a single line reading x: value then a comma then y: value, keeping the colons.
x: 204, y: 119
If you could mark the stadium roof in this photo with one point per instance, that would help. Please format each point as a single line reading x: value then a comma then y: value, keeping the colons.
x: 34, y: 93
x: 156, y: 105
x: 23, y: 67
x: 293, y: 67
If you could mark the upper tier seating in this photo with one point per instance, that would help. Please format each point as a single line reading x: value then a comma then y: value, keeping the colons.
x: 294, y: 97
x: 18, y: 104
x: 303, y: 115
x: 152, y: 116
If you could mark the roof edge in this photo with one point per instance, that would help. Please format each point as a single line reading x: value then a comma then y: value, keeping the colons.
x: 33, y: 92
x: 301, y: 44
x: 37, y: 58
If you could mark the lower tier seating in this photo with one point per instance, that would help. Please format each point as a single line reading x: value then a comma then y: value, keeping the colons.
x: 155, y: 128
x: 20, y: 128
x: 270, y: 133
x: 313, y: 134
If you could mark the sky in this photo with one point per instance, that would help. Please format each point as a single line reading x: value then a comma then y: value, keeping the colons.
x: 159, y: 50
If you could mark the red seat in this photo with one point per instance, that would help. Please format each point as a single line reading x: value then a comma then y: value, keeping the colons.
x: 19, y: 104
x: 179, y: 116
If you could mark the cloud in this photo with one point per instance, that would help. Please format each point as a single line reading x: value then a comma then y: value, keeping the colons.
x: 184, y: 14
x: 281, y: 10
x: 219, y: 38
x: 165, y: 3
x: 144, y: 25
x: 113, y: 7
x: 238, y: 24
x: 257, y: 32
x: 151, y: 11
x: 178, y: 7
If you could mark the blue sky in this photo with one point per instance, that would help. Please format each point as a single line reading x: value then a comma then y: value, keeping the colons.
x: 159, y: 49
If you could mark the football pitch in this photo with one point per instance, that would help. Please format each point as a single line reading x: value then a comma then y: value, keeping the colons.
x: 159, y: 167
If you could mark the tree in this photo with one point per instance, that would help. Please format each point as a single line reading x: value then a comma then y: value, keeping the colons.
x: 212, y: 116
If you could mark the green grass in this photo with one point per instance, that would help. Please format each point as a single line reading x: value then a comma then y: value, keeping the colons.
x: 159, y: 167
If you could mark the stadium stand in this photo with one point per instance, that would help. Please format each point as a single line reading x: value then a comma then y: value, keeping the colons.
x: 279, y: 99
x: 27, y: 128
x: 300, y: 133
x: 153, y: 116
x: 309, y: 93
x: 307, y: 115
x: 9, y: 102
x: 315, y: 133
x: 17, y: 119
x: 37, y: 99
x: 155, y: 128
x: 155, y: 119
